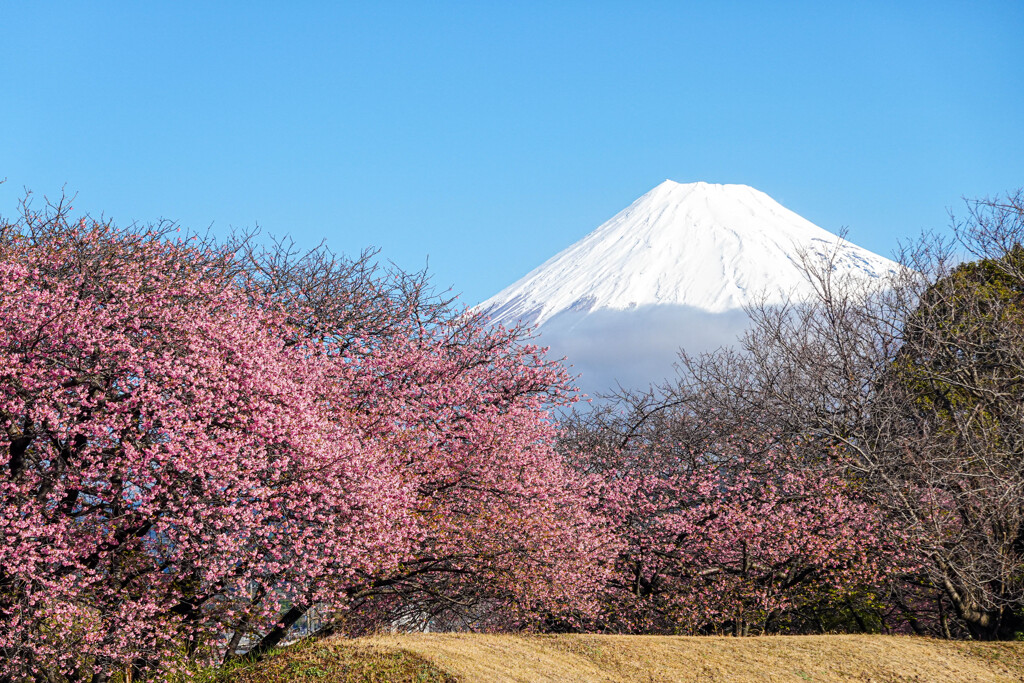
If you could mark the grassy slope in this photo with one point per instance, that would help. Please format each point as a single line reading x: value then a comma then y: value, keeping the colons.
x: 333, y: 662
x: 449, y: 658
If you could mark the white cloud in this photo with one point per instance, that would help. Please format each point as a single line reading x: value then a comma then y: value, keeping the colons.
x: 635, y: 347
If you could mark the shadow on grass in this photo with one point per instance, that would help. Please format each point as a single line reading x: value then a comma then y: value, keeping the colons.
x: 333, y: 661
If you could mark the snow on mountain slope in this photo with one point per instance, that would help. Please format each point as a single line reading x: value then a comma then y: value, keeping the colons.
x: 671, y: 271
x: 710, y: 247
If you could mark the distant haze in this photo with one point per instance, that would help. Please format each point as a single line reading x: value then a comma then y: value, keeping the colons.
x: 673, y: 270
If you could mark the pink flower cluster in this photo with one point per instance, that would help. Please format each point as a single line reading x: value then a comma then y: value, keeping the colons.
x: 734, y: 536
x: 184, y: 459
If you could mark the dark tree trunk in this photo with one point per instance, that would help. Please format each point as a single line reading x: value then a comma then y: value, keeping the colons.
x: 856, y: 616
x: 233, y: 644
x: 944, y: 620
x: 278, y: 633
x: 16, y: 461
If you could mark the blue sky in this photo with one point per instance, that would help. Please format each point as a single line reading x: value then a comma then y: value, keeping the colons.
x: 488, y: 136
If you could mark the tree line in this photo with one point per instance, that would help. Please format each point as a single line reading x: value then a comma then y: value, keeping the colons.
x: 206, y: 439
x: 899, y: 402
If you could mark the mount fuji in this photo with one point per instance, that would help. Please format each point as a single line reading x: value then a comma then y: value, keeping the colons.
x: 673, y: 270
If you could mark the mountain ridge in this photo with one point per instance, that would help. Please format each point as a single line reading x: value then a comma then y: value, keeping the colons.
x: 707, y: 246
x: 675, y: 269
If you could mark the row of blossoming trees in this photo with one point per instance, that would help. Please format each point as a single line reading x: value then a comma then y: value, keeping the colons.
x: 202, y: 442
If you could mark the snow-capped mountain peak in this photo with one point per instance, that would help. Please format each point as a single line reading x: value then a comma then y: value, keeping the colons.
x: 708, y: 247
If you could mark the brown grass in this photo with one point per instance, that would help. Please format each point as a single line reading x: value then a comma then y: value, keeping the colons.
x: 334, y: 662
x: 487, y: 659
x: 648, y: 659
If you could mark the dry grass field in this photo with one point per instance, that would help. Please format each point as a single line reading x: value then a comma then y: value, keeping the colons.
x: 466, y: 658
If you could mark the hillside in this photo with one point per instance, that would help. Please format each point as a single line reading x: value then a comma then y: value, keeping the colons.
x: 450, y: 658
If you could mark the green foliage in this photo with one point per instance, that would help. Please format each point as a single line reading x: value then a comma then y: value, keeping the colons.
x: 961, y: 357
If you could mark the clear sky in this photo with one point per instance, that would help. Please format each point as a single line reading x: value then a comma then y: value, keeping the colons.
x: 488, y: 136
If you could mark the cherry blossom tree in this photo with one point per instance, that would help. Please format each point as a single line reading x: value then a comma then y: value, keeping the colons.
x: 171, y: 450
x: 726, y: 531
x: 504, y: 535
x: 203, y: 442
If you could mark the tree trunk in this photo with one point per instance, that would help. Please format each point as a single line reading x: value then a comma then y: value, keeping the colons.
x: 856, y: 616
x: 233, y: 644
x: 277, y: 634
